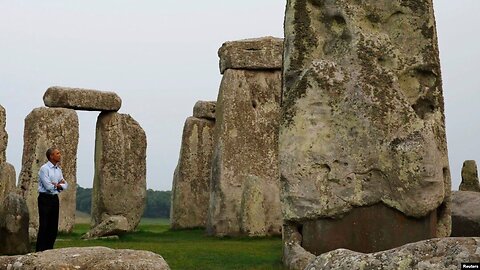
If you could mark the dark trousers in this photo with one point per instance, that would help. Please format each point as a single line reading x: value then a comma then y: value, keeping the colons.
x: 48, y: 217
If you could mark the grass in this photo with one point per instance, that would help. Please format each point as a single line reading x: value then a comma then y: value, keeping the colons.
x: 189, y: 249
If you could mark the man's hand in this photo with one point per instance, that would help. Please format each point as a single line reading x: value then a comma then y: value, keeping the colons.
x: 58, y: 186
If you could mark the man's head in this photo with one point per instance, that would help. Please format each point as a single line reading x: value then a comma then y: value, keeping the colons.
x: 54, y: 155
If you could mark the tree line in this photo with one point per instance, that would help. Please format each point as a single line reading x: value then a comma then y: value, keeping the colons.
x: 157, y: 206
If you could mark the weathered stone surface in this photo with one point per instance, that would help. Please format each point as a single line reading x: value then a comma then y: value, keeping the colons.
x: 44, y: 128
x: 81, y: 99
x: 256, y: 53
x: 14, y: 216
x: 246, y: 148
x: 470, y: 176
x: 7, y: 179
x: 440, y: 253
x: 362, y: 112
x: 204, y: 109
x: 88, y: 258
x: 295, y: 257
x: 119, y: 185
x: 191, y: 180
x: 3, y: 135
x: 113, y: 225
x: 252, y: 211
x: 465, y: 213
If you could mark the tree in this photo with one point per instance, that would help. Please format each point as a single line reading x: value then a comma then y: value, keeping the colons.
x: 157, y: 205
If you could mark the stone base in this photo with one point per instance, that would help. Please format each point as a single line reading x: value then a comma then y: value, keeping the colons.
x: 367, y: 229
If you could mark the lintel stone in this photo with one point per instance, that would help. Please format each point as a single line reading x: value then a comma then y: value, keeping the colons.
x: 81, y: 99
x: 256, y: 53
x: 204, y: 110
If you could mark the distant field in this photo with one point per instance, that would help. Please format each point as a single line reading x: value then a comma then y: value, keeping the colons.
x: 82, y: 218
x: 189, y: 249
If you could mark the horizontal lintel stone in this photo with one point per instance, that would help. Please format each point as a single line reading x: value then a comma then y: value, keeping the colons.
x: 81, y: 99
x: 255, y: 53
x: 204, y: 109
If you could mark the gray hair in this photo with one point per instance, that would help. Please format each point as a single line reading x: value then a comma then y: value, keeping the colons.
x: 50, y: 151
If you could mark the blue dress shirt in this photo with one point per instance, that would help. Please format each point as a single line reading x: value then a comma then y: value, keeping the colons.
x: 48, y: 175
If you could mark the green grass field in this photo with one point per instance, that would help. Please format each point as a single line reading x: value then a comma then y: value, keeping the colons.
x: 189, y: 249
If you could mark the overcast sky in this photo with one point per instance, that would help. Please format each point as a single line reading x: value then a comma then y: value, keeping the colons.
x: 161, y: 57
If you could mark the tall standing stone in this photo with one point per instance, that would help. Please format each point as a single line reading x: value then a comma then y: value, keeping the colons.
x: 191, y: 180
x: 470, y: 176
x: 3, y: 135
x: 14, y: 220
x: 7, y: 179
x: 119, y: 185
x: 7, y: 171
x: 362, y: 134
x: 245, y: 189
x: 44, y: 128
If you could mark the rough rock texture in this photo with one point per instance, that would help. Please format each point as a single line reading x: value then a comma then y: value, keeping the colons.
x: 295, y: 257
x: 465, y: 213
x: 81, y: 99
x: 7, y: 179
x: 246, y: 151
x: 14, y: 237
x: 204, y: 109
x: 440, y: 253
x: 87, y: 258
x: 119, y: 185
x: 470, y: 176
x: 7, y: 171
x: 191, y: 180
x: 256, y: 53
x: 362, y: 112
x: 44, y: 128
x: 113, y: 225
x: 254, y: 216
x: 3, y: 135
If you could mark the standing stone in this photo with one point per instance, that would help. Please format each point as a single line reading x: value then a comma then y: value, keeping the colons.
x: 245, y: 156
x: 191, y: 180
x: 44, y: 128
x: 81, y: 99
x: 362, y: 134
x: 14, y: 217
x: 465, y: 213
x: 7, y: 171
x: 3, y: 135
x: 7, y: 179
x: 119, y: 184
x: 470, y: 176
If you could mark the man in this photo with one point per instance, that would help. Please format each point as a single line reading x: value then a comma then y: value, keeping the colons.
x: 50, y: 183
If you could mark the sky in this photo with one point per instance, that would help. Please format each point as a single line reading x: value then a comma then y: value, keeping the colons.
x: 160, y: 57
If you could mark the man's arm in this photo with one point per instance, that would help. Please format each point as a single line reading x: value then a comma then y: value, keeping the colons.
x: 43, y: 178
x: 62, y: 185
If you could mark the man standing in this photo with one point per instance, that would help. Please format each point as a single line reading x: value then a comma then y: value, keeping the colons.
x: 50, y: 183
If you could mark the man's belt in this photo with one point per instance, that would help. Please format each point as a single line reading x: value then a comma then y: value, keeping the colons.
x: 48, y: 194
